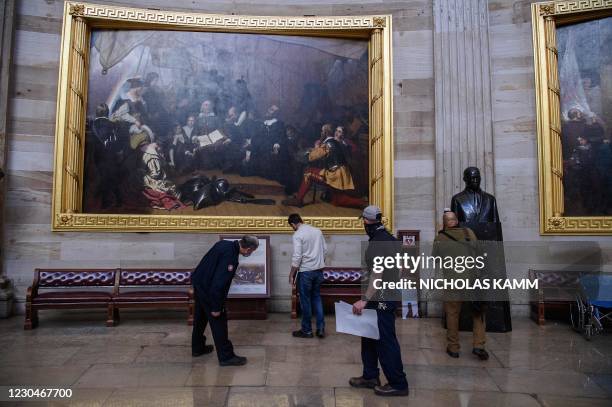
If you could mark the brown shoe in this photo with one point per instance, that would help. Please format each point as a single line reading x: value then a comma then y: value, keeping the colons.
x: 293, y: 202
x: 480, y: 353
x: 360, y: 382
x: 388, y: 391
x: 452, y: 354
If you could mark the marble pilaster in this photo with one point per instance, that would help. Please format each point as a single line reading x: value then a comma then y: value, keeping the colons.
x: 463, y: 121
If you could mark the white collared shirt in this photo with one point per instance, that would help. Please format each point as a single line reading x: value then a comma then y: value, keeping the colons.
x: 309, y: 248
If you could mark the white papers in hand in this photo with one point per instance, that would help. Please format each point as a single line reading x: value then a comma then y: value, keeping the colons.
x: 365, y: 325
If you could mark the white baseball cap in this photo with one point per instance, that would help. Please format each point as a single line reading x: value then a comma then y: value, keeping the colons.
x: 371, y: 212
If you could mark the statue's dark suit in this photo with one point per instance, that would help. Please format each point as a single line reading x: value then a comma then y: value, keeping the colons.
x: 477, y: 210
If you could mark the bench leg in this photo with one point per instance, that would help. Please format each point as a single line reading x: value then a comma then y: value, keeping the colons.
x: 113, y: 316
x: 190, y: 317
x: 293, y: 305
x: 537, y: 313
x: 541, y: 314
x: 31, y: 318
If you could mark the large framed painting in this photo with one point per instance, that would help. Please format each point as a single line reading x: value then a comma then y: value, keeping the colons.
x: 573, y: 77
x: 174, y: 121
x: 252, y: 279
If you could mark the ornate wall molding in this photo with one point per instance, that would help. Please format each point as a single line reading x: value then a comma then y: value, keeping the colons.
x: 225, y: 21
x: 173, y: 223
x: 81, y: 18
x: 564, y: 7
x: 545, y: 17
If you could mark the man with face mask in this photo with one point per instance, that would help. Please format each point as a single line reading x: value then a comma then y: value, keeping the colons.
x: 211, y: 281
x: 385, y: 350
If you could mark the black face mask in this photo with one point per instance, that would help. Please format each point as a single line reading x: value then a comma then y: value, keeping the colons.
x: 372, y: 228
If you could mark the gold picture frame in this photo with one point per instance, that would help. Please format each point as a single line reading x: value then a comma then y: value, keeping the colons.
x: 546, y: 17
x: 81, y: 18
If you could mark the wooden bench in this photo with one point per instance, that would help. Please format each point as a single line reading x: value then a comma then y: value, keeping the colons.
x: 111, y: 289
x: 339, y: 284
x: 68, y: 288
x: 556, y: 291
x: 153, y: 288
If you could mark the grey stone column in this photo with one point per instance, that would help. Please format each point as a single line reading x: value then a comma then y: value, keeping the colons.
x: 7, y: 19
x: 463, y: 124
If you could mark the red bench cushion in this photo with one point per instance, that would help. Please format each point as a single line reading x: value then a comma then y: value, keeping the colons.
x: 341, y: 276
x: 76, y: 278
x: 152, y: 296
x: 72, y: 297
x: 155, y: 277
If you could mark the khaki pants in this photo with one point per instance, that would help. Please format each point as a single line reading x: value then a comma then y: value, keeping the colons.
x: 453, y: 308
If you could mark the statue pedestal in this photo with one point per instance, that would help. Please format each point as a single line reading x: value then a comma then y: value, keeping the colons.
x: 497, y: 317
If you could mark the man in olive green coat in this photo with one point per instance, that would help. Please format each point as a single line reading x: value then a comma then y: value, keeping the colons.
x: 453, y: 233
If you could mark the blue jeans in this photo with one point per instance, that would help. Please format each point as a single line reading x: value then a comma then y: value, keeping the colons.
x: 309, y: 286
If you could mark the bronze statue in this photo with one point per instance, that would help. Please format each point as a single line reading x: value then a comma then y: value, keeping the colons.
x: 477, y: 209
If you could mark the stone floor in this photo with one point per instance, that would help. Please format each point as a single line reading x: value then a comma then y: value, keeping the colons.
x: 146, y: 361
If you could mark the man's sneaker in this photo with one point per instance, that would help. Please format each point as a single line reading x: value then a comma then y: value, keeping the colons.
x: 207, y: 349
x: 364, y: 383
x: 301, y: 334
x: 481, y: 353
x: 387, y: 391
x: 234, y: 361
x: 321, y: 333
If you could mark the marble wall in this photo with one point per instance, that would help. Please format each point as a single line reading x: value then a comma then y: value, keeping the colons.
x: 29, y: 243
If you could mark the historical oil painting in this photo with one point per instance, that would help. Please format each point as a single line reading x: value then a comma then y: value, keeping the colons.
x: 225, y: 124
x: 585, y: 76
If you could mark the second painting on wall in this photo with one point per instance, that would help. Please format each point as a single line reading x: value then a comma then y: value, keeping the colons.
x: 585, y: 76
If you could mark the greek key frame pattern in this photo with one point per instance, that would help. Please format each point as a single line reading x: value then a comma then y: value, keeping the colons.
x: 145, y: 223
x: 226, y: 21
x: 580, y: 225
x: 565, y: 7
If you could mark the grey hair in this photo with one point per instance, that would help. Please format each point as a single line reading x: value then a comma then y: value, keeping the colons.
x: 249, y: 242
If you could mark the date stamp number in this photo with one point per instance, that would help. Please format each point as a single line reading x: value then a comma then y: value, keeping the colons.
x: 34, y: 393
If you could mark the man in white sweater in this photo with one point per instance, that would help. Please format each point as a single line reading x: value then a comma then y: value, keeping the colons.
x: 308, y: 260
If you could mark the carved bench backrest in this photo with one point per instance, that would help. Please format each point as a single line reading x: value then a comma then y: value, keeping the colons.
x: 155, y: 277
x: 342, y: 275
x: 556, y: 278
x: 60, y: 278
